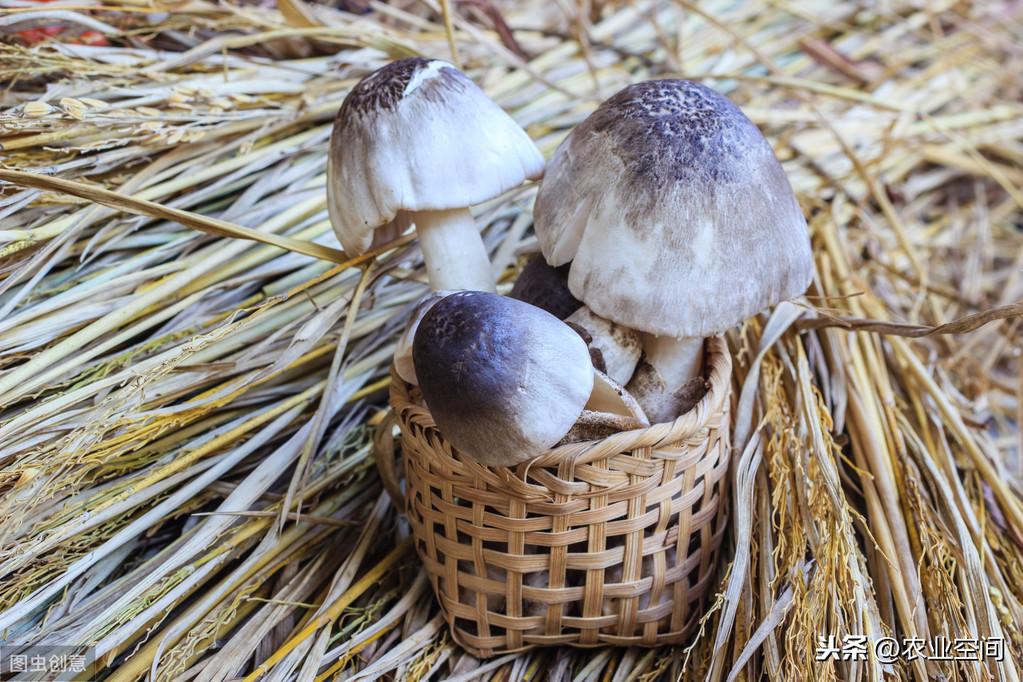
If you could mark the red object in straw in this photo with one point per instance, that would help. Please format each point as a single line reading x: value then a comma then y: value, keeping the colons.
x: 34, y: 36
x: 94, y: 38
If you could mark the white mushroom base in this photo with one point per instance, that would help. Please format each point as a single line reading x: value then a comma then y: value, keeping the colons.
x: 668, y: 377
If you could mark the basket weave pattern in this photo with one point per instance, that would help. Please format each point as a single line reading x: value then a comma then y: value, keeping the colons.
x: 612, y: 542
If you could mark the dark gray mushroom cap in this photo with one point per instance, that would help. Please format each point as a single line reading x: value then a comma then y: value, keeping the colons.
x: 674, y: 211
x: 419, y: 135
x: 503, y: 379
x: 546, y: 287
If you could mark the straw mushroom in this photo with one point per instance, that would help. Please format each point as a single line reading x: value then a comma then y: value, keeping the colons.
x: 545, y: 287
x: 417, y: 142
x: 678, y: 221
x: 614, y: 349
x: 503, y: 379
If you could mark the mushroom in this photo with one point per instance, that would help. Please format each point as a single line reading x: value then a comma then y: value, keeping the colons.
x: 545, y: 287
x: 503, y: 379
x: 614, y: 349
x: 678, y: 221
x: 417, y: 142
x: 506, y: 381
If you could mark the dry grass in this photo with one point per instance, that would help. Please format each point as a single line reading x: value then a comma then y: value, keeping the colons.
x: 172, y: 399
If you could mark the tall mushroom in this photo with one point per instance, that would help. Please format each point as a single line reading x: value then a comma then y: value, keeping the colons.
x: 678, y: 221
x: 418, y: 142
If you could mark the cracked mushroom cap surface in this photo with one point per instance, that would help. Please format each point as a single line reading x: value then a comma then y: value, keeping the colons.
x: 503, y: 379
x: 419, y: 135
x: 675, y: 213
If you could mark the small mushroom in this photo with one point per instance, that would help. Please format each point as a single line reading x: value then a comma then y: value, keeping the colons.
x: 545, y: 287
x: 678, y: 221
x: 503, y: 379
x: 418, y: 142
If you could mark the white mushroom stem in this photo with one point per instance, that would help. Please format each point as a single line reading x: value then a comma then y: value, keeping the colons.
x: 676, y: 360
x: 666, y: 383
x: 453, y: 250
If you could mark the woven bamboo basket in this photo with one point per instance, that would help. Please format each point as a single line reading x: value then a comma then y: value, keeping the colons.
x: 611, y: 542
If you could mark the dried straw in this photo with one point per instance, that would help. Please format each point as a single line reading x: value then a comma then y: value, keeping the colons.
x: 190, y: 370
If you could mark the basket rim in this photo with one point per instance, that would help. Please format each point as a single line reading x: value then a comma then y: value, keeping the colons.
x: 719, y: 362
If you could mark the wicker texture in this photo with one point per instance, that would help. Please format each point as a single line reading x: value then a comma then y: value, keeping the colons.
x: 612, y: 542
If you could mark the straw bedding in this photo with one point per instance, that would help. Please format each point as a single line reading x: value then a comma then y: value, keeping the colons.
x: 191, y: 372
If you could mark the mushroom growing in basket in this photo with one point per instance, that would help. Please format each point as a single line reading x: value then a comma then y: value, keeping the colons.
x: 506, y: 381
x: 418, y: 142
x: 678, y: 221
x: 545, y: 287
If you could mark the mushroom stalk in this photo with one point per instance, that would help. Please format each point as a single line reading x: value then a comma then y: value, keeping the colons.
x: 667, y: 382
x: 453, y: 250
x: 676, y: 360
